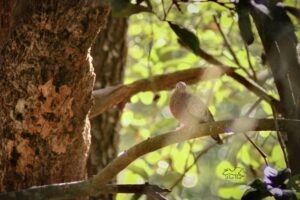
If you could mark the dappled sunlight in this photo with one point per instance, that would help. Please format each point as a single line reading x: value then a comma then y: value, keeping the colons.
x: 192, y: 99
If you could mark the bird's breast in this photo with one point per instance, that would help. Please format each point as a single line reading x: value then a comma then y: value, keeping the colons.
x: 178, y: 106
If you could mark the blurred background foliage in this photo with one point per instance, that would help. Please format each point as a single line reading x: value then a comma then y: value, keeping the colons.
x: 195, y: 169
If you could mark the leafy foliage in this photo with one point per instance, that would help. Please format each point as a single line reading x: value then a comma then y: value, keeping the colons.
x: 186, y: 37
x: 195, y: 170
x: 274, y: 184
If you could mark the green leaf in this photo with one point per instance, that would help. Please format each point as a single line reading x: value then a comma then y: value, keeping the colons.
x: 140, y: 171
x: 186, y: 37
x: 146, y: 97
x: 244, y: 23
x: 230, y: 192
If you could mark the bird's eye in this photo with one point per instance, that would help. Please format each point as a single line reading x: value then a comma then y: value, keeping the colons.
x: 180, y: 86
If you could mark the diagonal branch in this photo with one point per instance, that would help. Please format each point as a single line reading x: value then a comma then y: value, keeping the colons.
x: 253, y: 87
x: 114, y: 95
x: 110, y: 96
x: 92, y: 186
x: 227, y: 43
x: 152, y: 144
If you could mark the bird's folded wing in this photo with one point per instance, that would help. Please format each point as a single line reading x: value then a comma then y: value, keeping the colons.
x: 199, y: 110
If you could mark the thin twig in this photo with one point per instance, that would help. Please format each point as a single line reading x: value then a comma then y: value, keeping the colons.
x: 254, y: 76
x: 226, y: 41
x: 169, y: 9
x: 256, y: 103
x: 279, y: 136
x: 228, y: 70
x: 228, y: 45
x: 190, y: 166
x: 164, y: 9
x: 261, y: 152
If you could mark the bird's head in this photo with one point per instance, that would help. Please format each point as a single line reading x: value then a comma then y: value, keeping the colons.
x: 180, y: 86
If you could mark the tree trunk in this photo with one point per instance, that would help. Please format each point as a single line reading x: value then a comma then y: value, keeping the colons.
x: 279, y: 41
x: 46, y: 80
x: 109, y: 57
x: 5, y: 14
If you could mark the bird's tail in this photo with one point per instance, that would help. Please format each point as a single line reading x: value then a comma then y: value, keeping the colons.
x: 217, y: 138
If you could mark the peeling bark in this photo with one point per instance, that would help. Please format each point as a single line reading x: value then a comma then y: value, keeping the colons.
x: 46, y: 80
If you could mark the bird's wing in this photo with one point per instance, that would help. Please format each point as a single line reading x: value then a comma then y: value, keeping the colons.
x: 198, y: 109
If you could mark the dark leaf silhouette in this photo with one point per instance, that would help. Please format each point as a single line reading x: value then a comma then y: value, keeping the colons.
x: 257, y: 191
x: 294, y: 11
x: 274, y: 184
x: 244, y: 22
x: 186, y: 37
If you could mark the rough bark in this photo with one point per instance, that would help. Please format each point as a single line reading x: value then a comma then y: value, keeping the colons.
x: 46, y: 80
x: 109, y: 56
x: 279, y: 40
x: 5, y: 16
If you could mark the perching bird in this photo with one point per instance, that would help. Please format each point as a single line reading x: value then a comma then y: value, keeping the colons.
x: 189, y: 109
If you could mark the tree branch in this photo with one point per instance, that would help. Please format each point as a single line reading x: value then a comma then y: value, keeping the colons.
x: 110, y: 96
x: 114, y: 95
x: 43, y: 192
x: 183, y: 134
x: 92, y: 186
x: 230, y: 71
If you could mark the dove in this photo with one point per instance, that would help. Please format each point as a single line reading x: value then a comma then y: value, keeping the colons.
x: 189, y: 110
